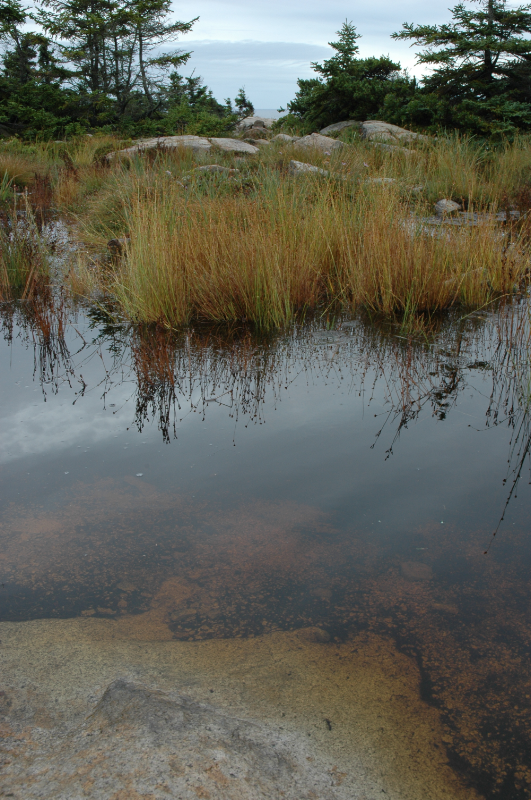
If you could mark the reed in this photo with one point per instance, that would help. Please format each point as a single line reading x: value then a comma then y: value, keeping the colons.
x: 24, y: 255
x: 299, y: 245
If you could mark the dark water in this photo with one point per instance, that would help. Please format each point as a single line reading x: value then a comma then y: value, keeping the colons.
x: 348, y: 478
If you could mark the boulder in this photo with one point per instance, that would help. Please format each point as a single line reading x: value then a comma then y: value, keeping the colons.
x: 300, y: 168
x: 446, y: 207
x: 234, y: 146
x: 254, y: 133
x: 340, y: 126
x: 314, y: 634
x: 374, y: 130
x: 196, y: 143
x: 321, y: 142
x: 260, y: 142
x: 254, y: 122
x: 283, y: 137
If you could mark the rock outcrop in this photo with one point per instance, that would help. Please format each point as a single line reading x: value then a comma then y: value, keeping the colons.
x: 300, y: 168
x: 234, y: 146
x: 340, y: 126
x: 446, y: 207
x: 320, y: 142
x: 199, y: 144
x: 283, y: 137
x: 255, y: 122
x: 376, y: 131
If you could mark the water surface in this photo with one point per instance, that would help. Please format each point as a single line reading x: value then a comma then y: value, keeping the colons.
x: 340, y: 477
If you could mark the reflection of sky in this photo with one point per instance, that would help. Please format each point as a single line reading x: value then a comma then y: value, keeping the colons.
x: 39, y: 427
x: 313, y: 438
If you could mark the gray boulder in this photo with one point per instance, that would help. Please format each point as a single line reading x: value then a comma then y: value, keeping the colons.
x: 254, y: 122
x: 321, y: 142
x: 300, y: 168
x: 446, y: 207
x: 196, y: 143
x: 234, y: 146
x: 283, y: 137
x: 340, y: 126
x: 374, y: 130
x: 216, y: 168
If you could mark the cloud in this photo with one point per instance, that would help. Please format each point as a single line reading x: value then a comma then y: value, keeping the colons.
x: 268, y: 70
x: 267, y: 46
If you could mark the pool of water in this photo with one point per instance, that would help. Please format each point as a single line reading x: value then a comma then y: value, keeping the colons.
x: 339, y: 479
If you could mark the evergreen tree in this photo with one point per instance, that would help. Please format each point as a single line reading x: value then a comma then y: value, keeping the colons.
x: 348, y: 87
x: 244, y: 107
x: 108, y: 45
x: 482, y: 59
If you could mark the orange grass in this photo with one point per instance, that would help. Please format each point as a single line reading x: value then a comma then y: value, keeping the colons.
x: 302, y: 245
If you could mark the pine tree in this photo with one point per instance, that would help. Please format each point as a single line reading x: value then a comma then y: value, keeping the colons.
x: 348, y: 87
x: 482, y: 61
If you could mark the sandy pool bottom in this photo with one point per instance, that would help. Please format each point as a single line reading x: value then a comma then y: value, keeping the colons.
x: 117, y: 710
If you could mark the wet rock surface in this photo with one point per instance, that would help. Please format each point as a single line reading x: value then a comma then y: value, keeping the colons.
x: 139, y: 740
x: 93, y: 709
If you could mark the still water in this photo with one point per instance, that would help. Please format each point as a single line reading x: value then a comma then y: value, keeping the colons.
x: 338, y: 478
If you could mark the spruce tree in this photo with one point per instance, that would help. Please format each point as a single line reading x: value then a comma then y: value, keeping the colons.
x: 348, y: 87
x: 482, y: 66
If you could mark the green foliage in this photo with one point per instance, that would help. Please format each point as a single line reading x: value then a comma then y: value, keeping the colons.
x: 244, y: 107
x: 349, y: 87
x: 99, y: 65
x: 481, y: 81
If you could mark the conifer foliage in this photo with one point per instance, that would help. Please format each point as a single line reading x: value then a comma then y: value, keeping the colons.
x: 101, y: 63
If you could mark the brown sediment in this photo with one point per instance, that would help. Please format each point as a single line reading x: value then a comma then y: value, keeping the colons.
x: 356, y: 704
x: 231, y: 576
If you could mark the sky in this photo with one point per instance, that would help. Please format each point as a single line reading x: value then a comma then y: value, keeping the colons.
x: 265, y: 45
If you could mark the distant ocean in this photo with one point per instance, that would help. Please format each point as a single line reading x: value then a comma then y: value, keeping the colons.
x: 266, y: 112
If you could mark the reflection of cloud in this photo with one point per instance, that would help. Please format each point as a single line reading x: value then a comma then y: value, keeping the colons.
x: 57, y: 425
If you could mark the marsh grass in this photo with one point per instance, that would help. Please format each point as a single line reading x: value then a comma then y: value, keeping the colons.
x: 24, y: 255
x: 266, y: 248
x: 280, y: 247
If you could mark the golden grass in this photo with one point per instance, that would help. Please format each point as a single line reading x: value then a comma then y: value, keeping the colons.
x: 301, y: 245
x: 265, y: 247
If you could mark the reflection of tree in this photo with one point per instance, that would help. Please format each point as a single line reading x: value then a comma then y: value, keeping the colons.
x: 175, y: 373
x: 510, y: 400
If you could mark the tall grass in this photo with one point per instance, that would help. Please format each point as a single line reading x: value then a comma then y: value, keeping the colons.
x: 24, y: 256
x: 298, y: 245
x: 265, y: 247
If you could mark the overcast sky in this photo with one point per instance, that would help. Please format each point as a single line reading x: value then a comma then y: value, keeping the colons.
x: 265, y: 46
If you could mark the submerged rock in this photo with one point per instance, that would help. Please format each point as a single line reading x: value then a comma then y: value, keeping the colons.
x: 416, y: 571
x: 314, y: 634
x: 143, y: 742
